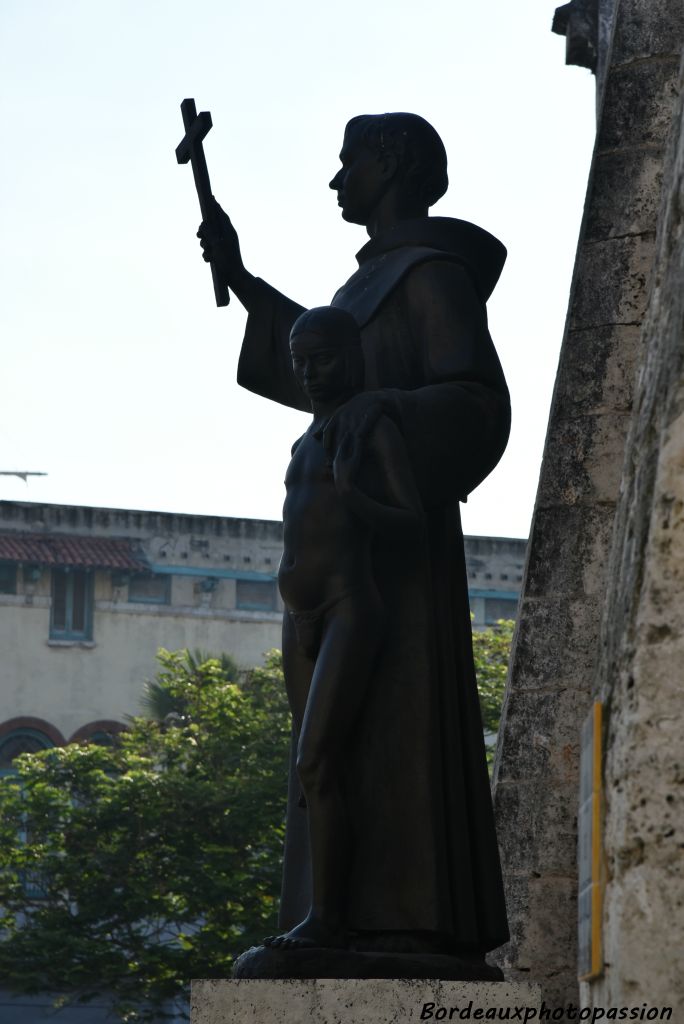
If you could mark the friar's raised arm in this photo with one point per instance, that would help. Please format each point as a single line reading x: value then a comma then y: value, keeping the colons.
x: 265, y: 364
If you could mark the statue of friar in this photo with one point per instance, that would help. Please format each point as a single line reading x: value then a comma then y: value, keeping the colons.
x: 420, y: 871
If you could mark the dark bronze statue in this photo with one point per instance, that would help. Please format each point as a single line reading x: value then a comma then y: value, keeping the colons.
x: 390, y: 837
x: 334, y: 624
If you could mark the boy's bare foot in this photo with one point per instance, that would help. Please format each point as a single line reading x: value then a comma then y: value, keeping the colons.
x: 312, y: 933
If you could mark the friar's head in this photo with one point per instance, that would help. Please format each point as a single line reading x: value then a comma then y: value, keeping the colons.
x: 394, y: 166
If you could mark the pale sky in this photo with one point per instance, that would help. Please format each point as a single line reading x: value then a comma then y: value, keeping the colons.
x: 119, y: 370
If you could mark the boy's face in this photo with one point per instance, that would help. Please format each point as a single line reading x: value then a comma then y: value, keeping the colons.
x: 323, y: 371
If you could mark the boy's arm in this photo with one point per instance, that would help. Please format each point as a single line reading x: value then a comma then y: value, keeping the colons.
x: 393, y: 483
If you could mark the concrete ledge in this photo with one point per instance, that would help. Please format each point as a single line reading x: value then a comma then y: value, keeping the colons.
x: 367, y: 1001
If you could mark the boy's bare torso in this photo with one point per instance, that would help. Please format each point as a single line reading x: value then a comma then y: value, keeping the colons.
x: 326, y: 547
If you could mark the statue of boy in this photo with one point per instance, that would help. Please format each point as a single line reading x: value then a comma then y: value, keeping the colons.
x: 423, y: 869
x: 334, y: 623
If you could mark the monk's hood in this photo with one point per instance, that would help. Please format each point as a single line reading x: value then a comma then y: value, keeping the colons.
x: 385, y: 260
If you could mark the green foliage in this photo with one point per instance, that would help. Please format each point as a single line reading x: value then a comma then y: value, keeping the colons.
x: 492, y: 650
x: 158, y: 701
x: 129, y: 870
x: 125, y: 871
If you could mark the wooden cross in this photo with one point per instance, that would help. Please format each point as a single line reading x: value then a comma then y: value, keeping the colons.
x: 196, y: 127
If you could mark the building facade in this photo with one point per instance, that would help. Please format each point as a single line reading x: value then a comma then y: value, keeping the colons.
x: 88, y: 596
x: 495, y: 571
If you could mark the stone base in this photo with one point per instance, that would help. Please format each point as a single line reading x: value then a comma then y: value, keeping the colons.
x: 267, y: 962
x: 369, y: 1001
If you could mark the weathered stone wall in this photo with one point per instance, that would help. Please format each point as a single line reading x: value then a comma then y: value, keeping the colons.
x: 557, y: 641
x: 606, y: 20
x: 640, y: 669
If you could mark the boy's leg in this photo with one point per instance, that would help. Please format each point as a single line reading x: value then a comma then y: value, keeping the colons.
x: 298, y: 669
x: 352, y: 634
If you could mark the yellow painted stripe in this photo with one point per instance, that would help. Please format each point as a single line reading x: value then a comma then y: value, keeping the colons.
x: 596, y: 891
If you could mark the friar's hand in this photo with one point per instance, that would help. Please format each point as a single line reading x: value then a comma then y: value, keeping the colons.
x: 354, y: 420
x: 346, y: 464
x: 221, y: 247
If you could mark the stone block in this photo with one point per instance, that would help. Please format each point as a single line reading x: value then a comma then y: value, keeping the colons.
x: 542, y: 915
x: 655, y: 29
x: 568, y: 551
x: 529, y: 843
x: 329, y: 1001
x: 556, y: 642
x: 551, y: 938
x: 626, y: 194
x: 517, y: 901
x: 611, y: 282
x: 645, y: 762
x: 597, y: 371
x: 541, y: 745
x: 643, y: 919
x: 638, y: 104
x: 583, y: 459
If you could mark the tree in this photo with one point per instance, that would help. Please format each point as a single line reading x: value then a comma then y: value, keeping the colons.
x: 127, y: 870
x: 492, y: 651
x: 159, y: 700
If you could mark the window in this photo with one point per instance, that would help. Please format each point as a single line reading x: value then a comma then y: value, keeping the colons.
x: 8, y: 578
x: 101, y: 739
x: 21, y: 741
x: 72, y: 605
x: 150, y: 588
x: 256, y: 595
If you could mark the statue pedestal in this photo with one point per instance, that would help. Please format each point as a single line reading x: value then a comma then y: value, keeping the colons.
x: 356, y: 1001
x: 268, y: 962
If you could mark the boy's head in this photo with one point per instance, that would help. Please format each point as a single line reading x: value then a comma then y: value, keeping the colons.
x: 325, y: 344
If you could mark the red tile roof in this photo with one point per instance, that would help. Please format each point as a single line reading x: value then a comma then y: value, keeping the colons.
x: 65, y: 549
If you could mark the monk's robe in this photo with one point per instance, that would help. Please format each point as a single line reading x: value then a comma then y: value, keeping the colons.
x: 424, y: 851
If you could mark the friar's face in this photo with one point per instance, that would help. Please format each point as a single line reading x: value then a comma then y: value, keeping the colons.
x: 361, y: 181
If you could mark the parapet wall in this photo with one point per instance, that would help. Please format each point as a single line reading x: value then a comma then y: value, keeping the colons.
x: 639, y: 676
x: 557, y: 643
